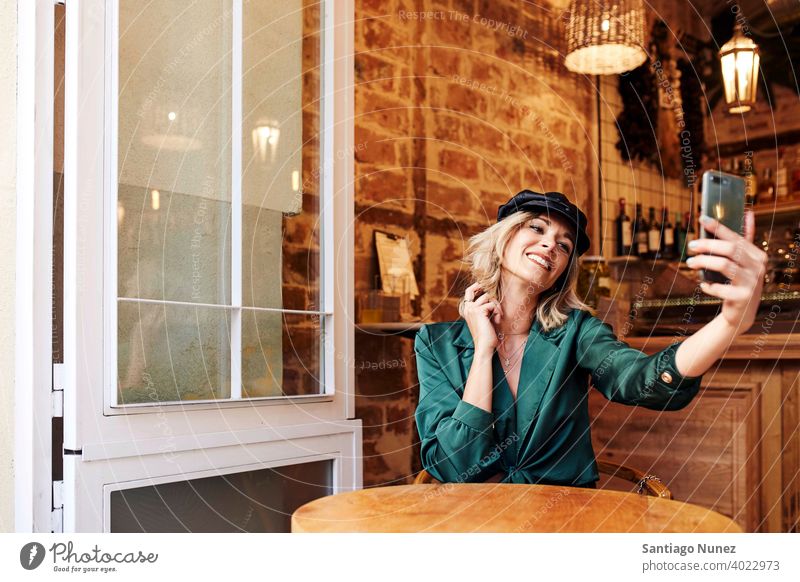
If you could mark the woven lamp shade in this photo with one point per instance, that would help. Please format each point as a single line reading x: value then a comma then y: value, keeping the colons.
x: 605, y: 37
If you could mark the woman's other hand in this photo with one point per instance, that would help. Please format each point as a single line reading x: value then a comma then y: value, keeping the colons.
x: 479, y: 314
x: 738, y: 259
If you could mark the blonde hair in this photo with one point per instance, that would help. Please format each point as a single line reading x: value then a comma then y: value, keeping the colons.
x: 483, y: 255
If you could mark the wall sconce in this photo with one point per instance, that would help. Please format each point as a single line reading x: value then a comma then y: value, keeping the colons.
x: 605, y: 37
x: 265, y: 140
x: 163, y: 128
x: 740, y: 59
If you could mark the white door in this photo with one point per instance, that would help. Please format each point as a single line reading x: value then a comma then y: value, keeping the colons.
x: 207, y: 263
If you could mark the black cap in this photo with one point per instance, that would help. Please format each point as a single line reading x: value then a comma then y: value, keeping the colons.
x: 548, y: 202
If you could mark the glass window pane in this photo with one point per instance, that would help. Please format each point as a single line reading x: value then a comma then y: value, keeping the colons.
x: 174, y: 207
x: 253, y: 501
x: 174, y: 155
x: 179, y: 251
x: 280, y: 154
x: 172, y: 352
x: 280, y: 354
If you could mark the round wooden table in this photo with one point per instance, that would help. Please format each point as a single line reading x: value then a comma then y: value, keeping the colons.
x: 502, y: 507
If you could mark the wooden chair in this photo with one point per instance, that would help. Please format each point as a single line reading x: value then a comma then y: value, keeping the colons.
x: 647, y: 484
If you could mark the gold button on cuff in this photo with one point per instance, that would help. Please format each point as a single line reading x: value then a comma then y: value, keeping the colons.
x: 666, y: 377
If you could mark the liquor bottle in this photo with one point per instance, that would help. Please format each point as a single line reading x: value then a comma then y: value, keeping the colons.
x: 782, y: 176
x: 640, y: 232
x: 680, y: 238
x: 667, y: 235
x: 766, y: 188
x: 691, y: 234
x: 635, y: 230
x: 624, y: 231
x: 653, y: 236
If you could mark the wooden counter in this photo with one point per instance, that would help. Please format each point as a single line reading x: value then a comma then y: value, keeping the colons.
x: 735, y: 449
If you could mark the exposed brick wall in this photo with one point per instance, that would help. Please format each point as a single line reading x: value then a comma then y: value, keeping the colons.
x: 437, y: 152
x: 300, y: 233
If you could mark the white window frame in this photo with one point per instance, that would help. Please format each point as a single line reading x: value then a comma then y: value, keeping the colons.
x: 33, y: 268
x: 236, y: 308
x: 105, y: 437
x: 340, y: 444
x: 96, y: 334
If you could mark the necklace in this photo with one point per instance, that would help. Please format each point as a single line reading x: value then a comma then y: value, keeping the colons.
x: 507, y: 365
x: 502, y: 335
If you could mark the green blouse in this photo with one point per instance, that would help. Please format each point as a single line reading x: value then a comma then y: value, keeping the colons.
x: 546, y: 437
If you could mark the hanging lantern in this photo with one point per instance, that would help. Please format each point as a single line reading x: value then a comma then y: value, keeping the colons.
x: 605, y: 37
x: 739, y: 57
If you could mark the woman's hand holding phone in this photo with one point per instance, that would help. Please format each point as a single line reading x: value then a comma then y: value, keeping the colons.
x: 479, y: 314
x: 738, y: 259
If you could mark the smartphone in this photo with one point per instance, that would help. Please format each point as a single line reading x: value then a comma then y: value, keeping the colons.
x: 723, y: 199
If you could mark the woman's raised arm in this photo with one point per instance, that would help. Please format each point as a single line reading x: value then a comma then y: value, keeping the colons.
x: 744, y: 264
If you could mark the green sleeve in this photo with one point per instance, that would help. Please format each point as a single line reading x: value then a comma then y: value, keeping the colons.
x: 624, y: 374
x: 457, y: 442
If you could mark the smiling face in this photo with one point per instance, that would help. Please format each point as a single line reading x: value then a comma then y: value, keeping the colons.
x: 540, y: 251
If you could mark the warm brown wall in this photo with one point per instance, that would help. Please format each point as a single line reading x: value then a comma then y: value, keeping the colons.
x: 435, y: 157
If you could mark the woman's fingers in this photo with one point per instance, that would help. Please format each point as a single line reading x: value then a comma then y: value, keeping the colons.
x: 719, y: 264
x: 481, y: 300
x: 489, y: 307
x: 498, y: 312
x: 484, y: 305
x: 725, y: 292
x: 488, y: 310
x: 712, y: 246
x: 740, y: 252
x: 719, y: 230
x: 749, y: 226
x: 469, y: 293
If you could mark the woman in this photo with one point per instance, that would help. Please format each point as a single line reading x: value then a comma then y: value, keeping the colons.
x: 503, y: 391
